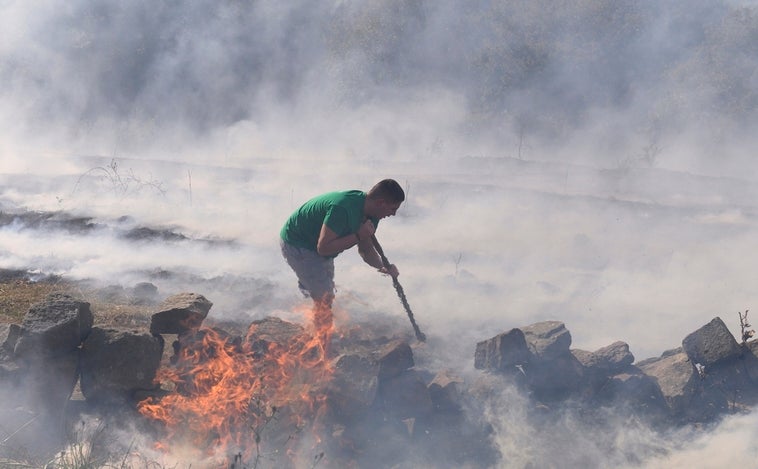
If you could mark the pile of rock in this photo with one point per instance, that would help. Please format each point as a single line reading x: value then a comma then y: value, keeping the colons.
x: 710, y: 374
x: 375, y: 389
x: 377, y: 393
x: 57, y: 346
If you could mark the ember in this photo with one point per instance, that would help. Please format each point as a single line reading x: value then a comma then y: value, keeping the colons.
x: 228, y: 389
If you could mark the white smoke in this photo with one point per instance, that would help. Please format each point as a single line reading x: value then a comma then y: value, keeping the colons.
x: 590, y: 163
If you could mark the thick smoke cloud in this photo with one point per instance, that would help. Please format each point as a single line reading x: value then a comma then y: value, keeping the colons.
x: 225, y: 115
x: 143, y: 74
x: 590, y: 162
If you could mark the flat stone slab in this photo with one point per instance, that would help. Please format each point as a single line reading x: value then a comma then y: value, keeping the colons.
x: 609, y: 360
x: 180, y: 313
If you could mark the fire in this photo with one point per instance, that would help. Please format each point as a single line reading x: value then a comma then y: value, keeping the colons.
x: 228, y: 390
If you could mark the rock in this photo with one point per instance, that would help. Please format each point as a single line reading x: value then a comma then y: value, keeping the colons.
x: 752, y: 345
x: 10, y: 372
x: 599, y: 366
x: 10, y: 376
x: 551, y: 372
x: 503, y: 352
x: 111, y: 294
x: 696, y: 395
x: 270, y: 334
x: 9, y: 334
x: 677, y: 379
x: 711, y: 344
x: 609, y: 360
x: 446, y: 390
x: 274, y: 330
x: 636, y: 391
x: 360, y: 374
x: 180, y: 313
x: 547, y: 339
x: 353, y: 387
x: 405, y: 396
x: 751, y: 360
x: 726, y: 385
x: 393, y: 358
x: 144, y: 293
x: 488, y: 386
x: 556, y: 378
x: 59, y: 324
x: 48, y: 381
x: 585, y: 357
x: 118, y: 363
x: 537, y: 354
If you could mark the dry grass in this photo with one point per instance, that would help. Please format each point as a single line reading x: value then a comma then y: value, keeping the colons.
x: 18, y: 295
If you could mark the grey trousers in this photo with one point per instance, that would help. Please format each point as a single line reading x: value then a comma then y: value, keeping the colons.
x: 315, y: 273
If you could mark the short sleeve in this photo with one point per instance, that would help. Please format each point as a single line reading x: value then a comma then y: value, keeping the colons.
x: 336, y: 220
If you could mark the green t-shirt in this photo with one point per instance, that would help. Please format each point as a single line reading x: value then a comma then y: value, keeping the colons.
x: 342, y: 212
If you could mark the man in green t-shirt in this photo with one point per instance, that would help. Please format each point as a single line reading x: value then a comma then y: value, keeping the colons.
x: 329, y: 224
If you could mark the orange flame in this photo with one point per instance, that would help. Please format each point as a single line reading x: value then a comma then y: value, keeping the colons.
x: 228, y: 390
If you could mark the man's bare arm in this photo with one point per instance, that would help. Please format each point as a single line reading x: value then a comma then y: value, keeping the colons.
x: 368, y: 252
x: 371, y: 257
x: 330, y: 244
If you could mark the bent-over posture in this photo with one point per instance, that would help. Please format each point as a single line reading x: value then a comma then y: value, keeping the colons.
x: 331, y: 223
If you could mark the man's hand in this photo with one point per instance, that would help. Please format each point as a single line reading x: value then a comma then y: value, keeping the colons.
x: 391, y: 270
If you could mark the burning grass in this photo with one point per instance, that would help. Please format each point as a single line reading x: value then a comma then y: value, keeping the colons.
x: 257, y: 395
x: 230, y: 391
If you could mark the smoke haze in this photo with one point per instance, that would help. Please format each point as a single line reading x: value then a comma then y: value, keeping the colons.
x: 590, y: 162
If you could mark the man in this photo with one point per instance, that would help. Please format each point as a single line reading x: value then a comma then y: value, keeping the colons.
x: 329, y: 224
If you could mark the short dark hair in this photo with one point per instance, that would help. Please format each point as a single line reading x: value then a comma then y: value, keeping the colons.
x: 387, y: 189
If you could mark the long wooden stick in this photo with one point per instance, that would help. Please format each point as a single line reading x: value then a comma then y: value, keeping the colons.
x: 399, y: 289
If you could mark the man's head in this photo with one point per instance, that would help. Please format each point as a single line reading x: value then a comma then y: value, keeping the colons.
x: 387, y: 189
x: 384, y: 198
